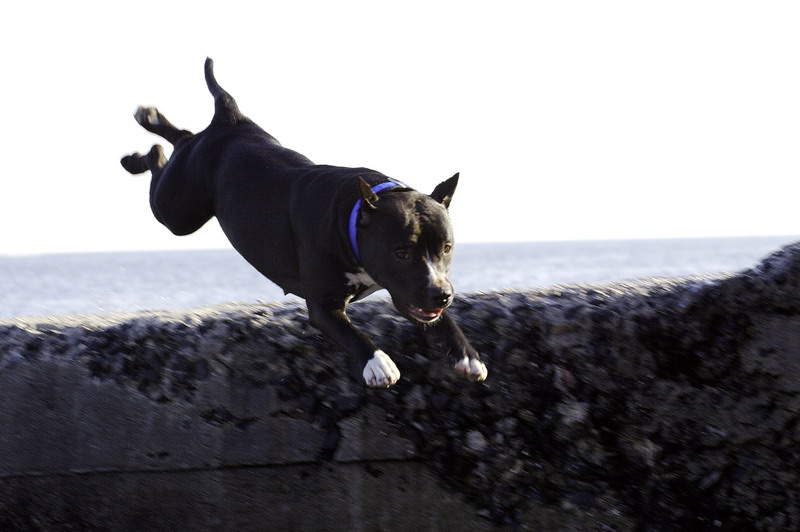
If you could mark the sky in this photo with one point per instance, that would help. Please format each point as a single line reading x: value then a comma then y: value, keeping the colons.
x: 569, y: 120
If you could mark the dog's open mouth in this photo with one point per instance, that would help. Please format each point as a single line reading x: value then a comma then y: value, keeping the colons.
x: 423, y: 315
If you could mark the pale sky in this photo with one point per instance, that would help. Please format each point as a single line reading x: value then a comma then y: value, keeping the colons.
x: 567, y: 120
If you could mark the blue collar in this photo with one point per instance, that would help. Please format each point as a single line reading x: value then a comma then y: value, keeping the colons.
x: 392, y: 183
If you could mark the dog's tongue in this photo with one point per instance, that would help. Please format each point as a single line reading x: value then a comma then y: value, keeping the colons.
x: 427, y: 314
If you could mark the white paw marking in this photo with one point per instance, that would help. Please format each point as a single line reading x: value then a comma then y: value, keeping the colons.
x: 380, y: 371
x: 473, y: 369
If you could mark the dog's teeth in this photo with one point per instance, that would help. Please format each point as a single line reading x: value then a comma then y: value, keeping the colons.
x: 424, y: 314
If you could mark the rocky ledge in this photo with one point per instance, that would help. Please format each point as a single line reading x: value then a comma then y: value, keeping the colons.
x: 664, y: 404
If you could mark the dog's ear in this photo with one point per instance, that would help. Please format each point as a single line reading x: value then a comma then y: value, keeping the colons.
x: 367, y: 195
x: 443, y: 192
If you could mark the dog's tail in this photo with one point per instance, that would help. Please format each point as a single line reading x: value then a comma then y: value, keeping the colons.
x: 226, y: 112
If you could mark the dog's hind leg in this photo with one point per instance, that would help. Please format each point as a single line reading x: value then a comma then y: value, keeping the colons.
x: 153, y: 121
x: 179, y: 201
x: 136, y: 163
x: 175, y: 199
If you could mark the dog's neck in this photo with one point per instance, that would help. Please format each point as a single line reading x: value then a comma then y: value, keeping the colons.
x: 353, y: 225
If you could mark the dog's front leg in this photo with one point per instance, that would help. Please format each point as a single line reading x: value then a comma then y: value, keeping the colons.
x: 446, y: 333
x: 379, y: 371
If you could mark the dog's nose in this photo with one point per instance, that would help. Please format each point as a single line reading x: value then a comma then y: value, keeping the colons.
x: 440, y: 296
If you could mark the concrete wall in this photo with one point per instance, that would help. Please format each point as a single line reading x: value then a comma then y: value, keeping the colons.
x: 654, y: 405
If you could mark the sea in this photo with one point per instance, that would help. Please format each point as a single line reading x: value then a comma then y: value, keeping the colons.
x: 104, y: 283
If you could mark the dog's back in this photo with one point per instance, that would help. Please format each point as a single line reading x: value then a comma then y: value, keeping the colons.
x: 231, y: 129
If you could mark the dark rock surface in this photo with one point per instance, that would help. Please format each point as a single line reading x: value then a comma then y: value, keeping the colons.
x: 652, y: 405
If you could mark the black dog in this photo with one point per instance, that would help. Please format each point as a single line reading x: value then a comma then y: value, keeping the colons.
x: 329, y: 234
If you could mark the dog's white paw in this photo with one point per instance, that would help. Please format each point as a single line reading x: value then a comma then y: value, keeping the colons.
x: 380, y: 371
x: 472, y: 368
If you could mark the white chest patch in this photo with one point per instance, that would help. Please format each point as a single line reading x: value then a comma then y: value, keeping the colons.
x: 362, y: 282
x: 360, y: 278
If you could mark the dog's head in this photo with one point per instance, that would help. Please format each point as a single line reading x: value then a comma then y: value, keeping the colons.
x: 406, y: 246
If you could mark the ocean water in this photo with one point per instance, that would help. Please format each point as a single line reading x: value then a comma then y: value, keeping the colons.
x: 98, y: 283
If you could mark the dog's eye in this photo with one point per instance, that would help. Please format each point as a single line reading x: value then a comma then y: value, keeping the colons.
x: 447, y: 249
x: 402, y: 254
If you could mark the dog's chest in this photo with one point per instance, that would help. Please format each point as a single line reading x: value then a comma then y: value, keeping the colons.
x: 362, y: 284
